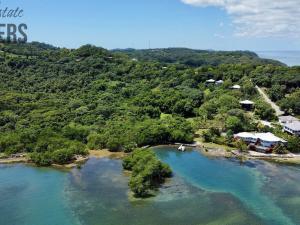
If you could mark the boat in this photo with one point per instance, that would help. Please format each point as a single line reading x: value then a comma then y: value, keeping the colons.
x: 181, y: 148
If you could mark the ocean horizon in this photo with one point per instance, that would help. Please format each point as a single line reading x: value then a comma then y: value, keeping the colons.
x: 290, y: 58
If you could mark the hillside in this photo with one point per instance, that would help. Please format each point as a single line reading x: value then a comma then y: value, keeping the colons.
x: 196, y: 58
x: 56, y: 103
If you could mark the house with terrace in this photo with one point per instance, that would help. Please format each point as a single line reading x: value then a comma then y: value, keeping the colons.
x: 261, y: 142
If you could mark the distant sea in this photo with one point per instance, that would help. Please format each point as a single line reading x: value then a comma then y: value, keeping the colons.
x: 290, y: 58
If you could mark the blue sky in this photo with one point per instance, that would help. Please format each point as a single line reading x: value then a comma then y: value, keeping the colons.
x: 203, y: 24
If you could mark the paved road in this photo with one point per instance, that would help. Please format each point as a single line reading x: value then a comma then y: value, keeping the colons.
x: 268, y: 100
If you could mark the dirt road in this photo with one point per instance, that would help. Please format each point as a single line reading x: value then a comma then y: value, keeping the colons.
x: 268, y: 100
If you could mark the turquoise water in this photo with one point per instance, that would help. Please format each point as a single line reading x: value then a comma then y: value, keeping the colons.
x: 216, y: 175
x: 32, y: 196
x: 202, y: 191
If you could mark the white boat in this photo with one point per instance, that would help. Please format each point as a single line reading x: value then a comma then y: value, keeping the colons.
x: 181, y: 148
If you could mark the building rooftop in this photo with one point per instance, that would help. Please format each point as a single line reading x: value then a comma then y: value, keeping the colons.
x: 247, y: 102
x: 211, y: 81
x: 295, y: 126
x: 269, y: 137
x: 236, y: 87
x: 262, y: 136
x: 287, y: 119
x: 245, y: 135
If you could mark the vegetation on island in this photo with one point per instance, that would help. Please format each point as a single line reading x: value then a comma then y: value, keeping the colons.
x: 57, y: 103
x: 147, y: 172
x: 197, y: 58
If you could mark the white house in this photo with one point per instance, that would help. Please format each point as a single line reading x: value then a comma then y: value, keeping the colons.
x: 267, y: 140
x: 292, y: 128
x: 236, y: 87
x: 210, y: 81
x: 219, y: 82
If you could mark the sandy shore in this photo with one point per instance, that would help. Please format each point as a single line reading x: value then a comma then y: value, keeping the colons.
x: 14, y: 160
x: 99, y: 154
x: 79, y: 161
x: 214, y: 150
x: 106, y: 154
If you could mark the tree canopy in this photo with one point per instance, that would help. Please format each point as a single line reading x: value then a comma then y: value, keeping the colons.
x: 56, y: 103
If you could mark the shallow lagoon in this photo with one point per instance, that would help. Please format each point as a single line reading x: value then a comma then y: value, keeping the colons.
x: 203, y: 191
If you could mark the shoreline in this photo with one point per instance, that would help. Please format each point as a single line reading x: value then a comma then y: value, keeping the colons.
x: 77, y: 162
x: 222, y: 151
x: 214, y: 150
x: 207, y: 149
x: 105, y: 153
x: 98, y: 154
x: 14, y: 160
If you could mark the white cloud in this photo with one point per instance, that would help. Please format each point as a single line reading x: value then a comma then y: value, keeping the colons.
x: 204, y: 2
x: 219, y: 36
x: 259, y: 18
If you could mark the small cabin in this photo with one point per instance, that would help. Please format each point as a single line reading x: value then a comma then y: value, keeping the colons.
x: 247, y: 105
x: 236, y: 87
x: 219, y: 82
x: 210, y: 81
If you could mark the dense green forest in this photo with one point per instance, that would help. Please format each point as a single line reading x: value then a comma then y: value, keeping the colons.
x: 196, y: 58
x: 56, y: 103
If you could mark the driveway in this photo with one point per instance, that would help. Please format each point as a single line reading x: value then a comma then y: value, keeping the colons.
x: 268, y: 100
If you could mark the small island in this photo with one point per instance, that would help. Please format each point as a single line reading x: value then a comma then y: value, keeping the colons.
x: 147, y: 172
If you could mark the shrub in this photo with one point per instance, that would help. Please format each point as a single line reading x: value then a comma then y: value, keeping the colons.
x: 96, y: 141
x: 293, y: 144
x: 211, y: 135
x: 147, y: 171
x: 241, y: 145
x: 62, y: 156
x: 41, y: 159
x: 264, y: 111
x: 76, y: 132
x: 234, y: 124
x: 280, y: 149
